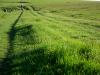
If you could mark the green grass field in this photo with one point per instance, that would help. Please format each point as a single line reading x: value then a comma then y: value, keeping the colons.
x: 54, y: 37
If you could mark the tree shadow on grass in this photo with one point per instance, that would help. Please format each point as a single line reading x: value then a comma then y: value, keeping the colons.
x: 25, y: 36
x: 39, y: 61
x: 35, y: 62
x: 5, y: 65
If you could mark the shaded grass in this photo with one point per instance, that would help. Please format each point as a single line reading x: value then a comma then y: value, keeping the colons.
x: 86, y: 52
x: 5, y: 65
x: 28, y: 55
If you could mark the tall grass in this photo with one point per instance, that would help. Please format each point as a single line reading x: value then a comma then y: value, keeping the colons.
x: 41, y: 42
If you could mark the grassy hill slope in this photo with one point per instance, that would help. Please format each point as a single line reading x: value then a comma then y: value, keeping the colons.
x: 50, y: 39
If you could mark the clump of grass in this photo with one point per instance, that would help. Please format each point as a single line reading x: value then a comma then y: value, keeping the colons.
x: 85, y: 52
x: 37, y: 20
x: 9, y: 9
x: 13, y: 8
x: 35, y: 8
x: 82, y: 68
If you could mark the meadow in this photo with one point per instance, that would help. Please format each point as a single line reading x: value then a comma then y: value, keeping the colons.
x: 54, y: 37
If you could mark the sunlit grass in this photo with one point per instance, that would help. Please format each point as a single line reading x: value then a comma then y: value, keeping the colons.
x: 47, y: 41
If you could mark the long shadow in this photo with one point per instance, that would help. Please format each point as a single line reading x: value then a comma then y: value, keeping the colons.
x: 24, y: 35
x: 35, y: 62
x: 12, y: 34
x: 5, y: 65
x: 39, y: 61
